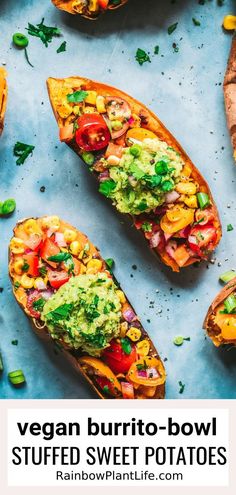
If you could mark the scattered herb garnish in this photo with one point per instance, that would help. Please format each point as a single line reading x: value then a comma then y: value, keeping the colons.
x: 63, y: 257
x: 146, y: 227
x: 43, y: 270
x: 196, y: 22
x: 45, y: 33
x: 27, y: 58
x: 172, y: 28
x: 77, y: 96
x: 229, y: 227
x: 126, y: 345
x: 175, y: 47
x: 60, y: 313
x: 156, y: 49
x: 141, y: 56
x: 17, y: 285
x: 62, y: 47
x: 1, y: 363
x: 22, y: 151
x: 107, y: 187
x: 179, y: 340
x: 142, y: 366
x: 14, y: 342
x: 110, y: 263
x: 181, y: 387
x: 7, y: 207
x: 39, y: 304
x: 25, y: 266
x: 230, y: 304
x: 227, y: 276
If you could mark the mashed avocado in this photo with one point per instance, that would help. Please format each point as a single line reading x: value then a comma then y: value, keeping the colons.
x: 146, y: 172
x: 85, y: 312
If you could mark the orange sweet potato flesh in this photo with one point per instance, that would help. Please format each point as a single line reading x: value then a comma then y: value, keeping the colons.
x: 153, y: 124
x: 67, y: 6
x: 77, y: 361
x: 3, y: 97
x: 230, y: 94
x: 209, y: 324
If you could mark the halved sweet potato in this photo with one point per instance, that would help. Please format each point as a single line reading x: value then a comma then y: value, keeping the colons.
x: 90, y: 9
x: 35, y: 281
x: 3, y: 97
x: 230, y: 94
x: 221, y: 326
x: 141, y: 125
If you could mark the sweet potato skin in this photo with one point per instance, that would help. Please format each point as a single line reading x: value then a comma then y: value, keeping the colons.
x: 3, y: 97
x: 44, y: 334
x: 66, y: 5
x: 153, y: 124
x: 209, y: 324
x: 230, y: 94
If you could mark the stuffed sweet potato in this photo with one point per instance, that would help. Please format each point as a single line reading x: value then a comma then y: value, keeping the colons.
x: 3, y: 97
x: 90, y: 9
x: 140, y: 167
x: 220, y: 322
x: 230, y: 94
x: 72, y: 298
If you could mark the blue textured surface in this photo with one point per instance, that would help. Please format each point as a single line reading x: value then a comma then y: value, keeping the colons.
x: 185, y: 91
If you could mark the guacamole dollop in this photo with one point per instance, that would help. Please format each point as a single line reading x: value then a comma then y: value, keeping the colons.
x: 85, y: 312
x: 146, y: 172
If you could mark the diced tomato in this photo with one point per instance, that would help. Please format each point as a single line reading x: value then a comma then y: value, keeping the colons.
x: 117, y: 359
x: 103, y: 4
x: 202, y: 238
x: 105, y: 384
x: 127, y: 390
x: 49, y: 248
x: 114, y: 150
x: 66, y: 133
x: 92, y: 133
x: 32, y: 260
x: 204, y: 216
x: 32, y: 297
x: 34, y: 242
x: 181, y: 255
x: 57, y: 278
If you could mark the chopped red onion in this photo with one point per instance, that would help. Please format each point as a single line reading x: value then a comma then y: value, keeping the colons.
x: 171, y: 196
x: 60, y: 240
x: 33, y: 241
x: 171, y: 247
x: 155, y: 239
x: 142, y: 373
x: 103, y: 176
x: 152, y: 373
x: 129, y: 315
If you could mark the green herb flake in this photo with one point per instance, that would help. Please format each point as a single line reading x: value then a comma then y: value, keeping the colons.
x: 45, y: 33
x: 107, y: 187
x: 14, y: 342
x: 60, y: 313
x: 179, y: 340
x: 16, y: 285
x: 25, y: 266
x: 181, y: 387
x: 77, y: 96
x: 110, y: 263
x: 146, y: 227
x: 22, y: 150
x: 172, y: 28
x: 62, y: 47
x: 229, y: 227
x: 38, y: 305
x: 142, y: 56
x: 156, y: 50
x: 43, y: 271
x: 106, y: 389
x: 126, y: 346
x: 196, y: 22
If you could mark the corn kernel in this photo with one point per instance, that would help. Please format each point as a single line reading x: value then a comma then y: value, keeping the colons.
x: 191, y: 201
x: 91, y: 97
x: 17, y: 246
x: 94, y: 266
x: 100, y: 104
x: 229, y: 22
x: 75, y: 248
x: 51, y: 222
x: 89, y: 109
x: 64, y: 110
x: 27, y: 282
x: 187, y: 188
x: 31, y: 226
x: 123, y: 329
x: 69, y: 235
x: 187, y: 170
x: 134, y: 334
x: 113, y: 161
x: 121, y: 296
x: 18, y: 265
x: 77, y: 110
x: 143, y: 347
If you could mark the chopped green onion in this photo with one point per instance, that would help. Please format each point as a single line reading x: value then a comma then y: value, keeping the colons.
x: 179, y: 340
x: 1, y: 363
x: 16, y: 377
x: 172, y: 28
x: 126, y: 346
x: 230, y: 303
x: 110, y: 263
x: 14, y: 342
x: 203, y: 200
x: 229, y: 227
x: 7, y: 207
x: 227, y: 276
x: 88, y: 157
x: 181, y: 387
x: 20, y: 40
x: 161, y: 168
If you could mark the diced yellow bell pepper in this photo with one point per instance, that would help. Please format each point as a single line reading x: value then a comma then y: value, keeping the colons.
x: 188, y: 188
x: 91, y: 97
x: 31, y: 227
x: 177, y: 220
x: 17, y: 246
x: 134, y: 334
x: 69, y: 235
x: 100, y: 104
x: 94, y: 266
x: 27, y: 282
x: 64, y: 110
x: 139, y: 133
x: 75, y: 248
x: 51, y: 222
x: 143, y: 347
x: 18, y: 265
x: 229, y: 22
x: 187, y: 170
x: 101, y: 369
x: 121, y: 296
x: 191, y: 201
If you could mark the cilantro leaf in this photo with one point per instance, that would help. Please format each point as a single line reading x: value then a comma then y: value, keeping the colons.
x: 60, y: 313
x: 39, y: 304
x: 172, y: 28
x: 62, y: 47
x: 110, y: 263
x: 45, y: 33
x: 141, y: 56
x: 196, y: 22
x: 146, y: 227
x: 77, y: 96
x: 156, y: 49
x: 63, y: 257
x: 22, y: 150
x: 107, y: 187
